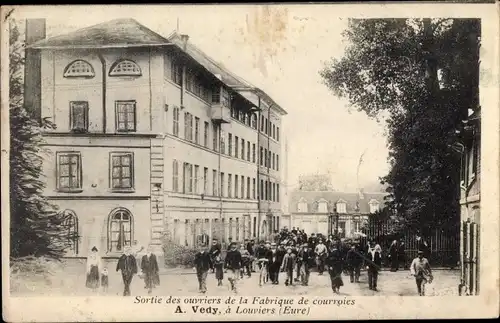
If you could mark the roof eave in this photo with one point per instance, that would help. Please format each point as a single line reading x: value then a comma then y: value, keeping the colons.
x: 266, y: 97
x: 34, y: 46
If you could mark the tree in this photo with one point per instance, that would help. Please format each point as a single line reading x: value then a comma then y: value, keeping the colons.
x: 315, y: 182
x: 421, y: 75
x: 36, y: 228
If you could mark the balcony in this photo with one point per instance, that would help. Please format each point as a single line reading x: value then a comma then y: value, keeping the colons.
x: 219, y: 113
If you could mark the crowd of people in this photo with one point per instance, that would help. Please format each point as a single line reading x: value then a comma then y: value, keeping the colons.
x: 293, y: 253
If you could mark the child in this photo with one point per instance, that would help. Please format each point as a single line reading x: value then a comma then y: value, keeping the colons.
x: 104, y: 280
x: 219, y: 272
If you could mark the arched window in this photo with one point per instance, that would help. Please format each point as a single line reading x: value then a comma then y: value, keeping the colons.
x: 70, y: 225
x: 79, y: 68
x: 125, y: 67
x: 120, y: 230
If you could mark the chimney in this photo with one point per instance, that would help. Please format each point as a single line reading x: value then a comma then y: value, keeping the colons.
x: 185, y: 39
x: 361, y: 194
x: 35, y: 31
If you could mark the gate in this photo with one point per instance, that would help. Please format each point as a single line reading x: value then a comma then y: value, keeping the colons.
x: 470, y: 259
x: 443, y: 244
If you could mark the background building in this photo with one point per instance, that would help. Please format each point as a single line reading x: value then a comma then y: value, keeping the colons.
x: 312, y: 210
x: 153, y: 138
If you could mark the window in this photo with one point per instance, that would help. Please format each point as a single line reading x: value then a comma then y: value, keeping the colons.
x: 248, y: 150
x: 79, y: 68
x: 175, y: 176
x: 242, y: 187
x: 274, y: 131
x: 234, y: 112
x: 196, y: 174
x: 69, y: 171
x: 125, y: 67
x: 189, y: 81
x: 205, y: 181
x: 261, y: 123
x: 278, y: 133
x: 197, y: 130
x: 247, y: 119
x: 322, y: 207
x: 205, y: 134
x: 254, y: 120
x: 241, y: 116
x: 230, y: 144
x: 272, y: 161
x: 120, y: 230
x: 215, y: 134
x: 266, y: 124
x: 79, y: 116
x: 248, y: 188
x: 277, y: 192
x: 302, y: 206
x: 236, y: 187
x: 70, y: 226
x: 175, y: 128
x: 266, y: 191
x: 222, y: 183
x: 125, y: 116
x: 254, y: 227
x: 188, y: 126
x: 237, y: 229
x: 277, y: 162
x: 253, y: 153
x: 253, y: 188
x: 222, y: 142
x: 176, y: 72
x: 225, y: 99
x: 229, y: 185
x: 214, y: 183
x: 269, y: 159
x: 261, y: 157
x: 243, y: 149
x: 273, y: 197
x: 260, y: 193
x: 122, y: 169
x: 374, y: 206
x: 266, y: 159
x: 341, y: 207
x: 236, y: 146
x: 188, y: 178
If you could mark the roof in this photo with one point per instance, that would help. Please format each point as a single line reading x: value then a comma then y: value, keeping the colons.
x: 127, y: 32
x: 312, y: 198
x: 116, y: 33
x: 227, y: 77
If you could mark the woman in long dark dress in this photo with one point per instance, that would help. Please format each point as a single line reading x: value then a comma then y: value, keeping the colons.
x: 93, y: 270
x: 335, y: 263
x: 393, y: 254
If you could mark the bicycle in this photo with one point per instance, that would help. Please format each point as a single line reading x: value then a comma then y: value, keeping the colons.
x: 263, y: 270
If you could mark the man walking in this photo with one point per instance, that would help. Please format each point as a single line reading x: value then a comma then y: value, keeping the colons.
x: 334, y: 263
x: 288, y: 265
x: 421, y: 270
x: 233, y: 265
x: 150, y: 270
x: 128, y: 265
x: 354, y: 260
x: 374, y: 263
x: 305, y: 257
x: 214, y: 251
x: 202, y: 262
x: 321, y: 253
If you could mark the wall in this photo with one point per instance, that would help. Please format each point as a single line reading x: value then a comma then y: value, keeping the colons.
x: 58, y: 91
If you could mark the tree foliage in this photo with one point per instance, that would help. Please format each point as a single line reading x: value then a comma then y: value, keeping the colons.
x: 315, y: 182
x: 36, y: 228
x: 422, y: 76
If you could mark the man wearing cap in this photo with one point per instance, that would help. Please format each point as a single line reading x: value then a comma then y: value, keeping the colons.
x: 214, y: 251
x: 288, y: 264
x: 305, y: 257
x: 421, y: 270
x: 202, y: 262
x: 233, y: 264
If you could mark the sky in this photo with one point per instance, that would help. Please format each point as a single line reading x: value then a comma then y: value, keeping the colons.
x: 280, y: 50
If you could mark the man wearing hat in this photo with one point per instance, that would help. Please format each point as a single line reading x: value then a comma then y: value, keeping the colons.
x: 306, y: 256
x: 274, y: 264
x: 288, y: 265
x: 128, y: 266
x: 233, y: 263
x: 202, y: 262
x: 421, y: 270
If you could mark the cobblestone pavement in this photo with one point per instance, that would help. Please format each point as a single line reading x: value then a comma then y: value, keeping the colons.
x: 184, y: 283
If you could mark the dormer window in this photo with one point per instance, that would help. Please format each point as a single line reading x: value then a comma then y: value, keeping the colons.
x: 79, y: 68
x: 341, y: 206
x: 322, y: 206
x: 302, y: 206
x: 125, y: 67
x: 374, y: 206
